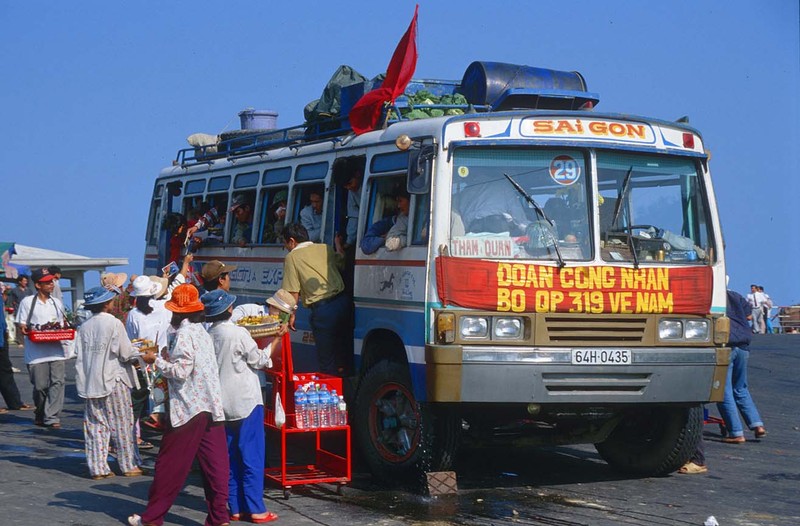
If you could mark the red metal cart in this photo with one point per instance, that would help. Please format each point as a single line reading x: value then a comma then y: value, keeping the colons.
x: 329, y: 466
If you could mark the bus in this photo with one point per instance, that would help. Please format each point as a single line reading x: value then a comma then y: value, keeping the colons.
x: 561, y: 281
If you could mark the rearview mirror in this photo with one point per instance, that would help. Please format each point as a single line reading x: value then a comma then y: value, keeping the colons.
x: 420, y: 168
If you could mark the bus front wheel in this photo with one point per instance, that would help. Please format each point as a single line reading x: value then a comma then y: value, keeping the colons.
x: 391, y: 427
x: 653, y: 441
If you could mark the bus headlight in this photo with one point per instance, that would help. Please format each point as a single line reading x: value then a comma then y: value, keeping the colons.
x: 693, y: 330
x: 697, y: 330
x: 670, y: 329
x: 508, y: 328
x: 474, y: 327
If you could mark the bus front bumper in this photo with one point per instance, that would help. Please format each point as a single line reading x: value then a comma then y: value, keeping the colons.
x: 497, y: 374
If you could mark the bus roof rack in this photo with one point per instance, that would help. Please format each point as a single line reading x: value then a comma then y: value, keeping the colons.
x: 485, y: 87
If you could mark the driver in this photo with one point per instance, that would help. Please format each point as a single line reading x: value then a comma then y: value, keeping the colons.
x: 492, y: 210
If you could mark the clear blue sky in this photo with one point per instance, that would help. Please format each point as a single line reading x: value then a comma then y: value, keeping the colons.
x: 98, y: 96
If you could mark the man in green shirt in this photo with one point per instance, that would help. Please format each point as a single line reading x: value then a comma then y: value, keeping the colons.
x: 312, y: 272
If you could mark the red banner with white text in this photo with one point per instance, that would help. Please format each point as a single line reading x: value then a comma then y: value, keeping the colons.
x: 508, y: 286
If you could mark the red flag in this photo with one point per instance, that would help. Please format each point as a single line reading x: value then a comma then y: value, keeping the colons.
x: 366, y: 112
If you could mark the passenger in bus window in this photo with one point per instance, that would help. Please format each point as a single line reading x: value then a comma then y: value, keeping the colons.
x: 349, y: 175
x: 242, y: 209
x: 211, y: 218
x: 176, y: 228
x: 276, y: 218
x: 311, y: 216
x: 391, y: 232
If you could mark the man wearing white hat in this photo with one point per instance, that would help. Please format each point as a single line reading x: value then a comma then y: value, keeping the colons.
x: 149, y: 320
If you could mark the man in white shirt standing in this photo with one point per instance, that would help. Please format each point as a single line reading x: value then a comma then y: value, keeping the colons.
x: 756, y: 300
x: 45, y: 360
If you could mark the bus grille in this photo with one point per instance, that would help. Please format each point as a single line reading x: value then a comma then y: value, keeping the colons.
x: 592, y: 330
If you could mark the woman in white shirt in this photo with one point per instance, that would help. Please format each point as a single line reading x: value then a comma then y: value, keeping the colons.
x: 238, y: 359
x: 196, y: 416
x: 148, y: 320
x: 104, y: 377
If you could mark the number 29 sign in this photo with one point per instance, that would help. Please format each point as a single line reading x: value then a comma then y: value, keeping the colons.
x: 564, y: 170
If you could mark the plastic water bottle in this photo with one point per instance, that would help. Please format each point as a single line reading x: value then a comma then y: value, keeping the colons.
x: 300, y: 408
x: 334, y: 408
x: 341, y: 412
x: 324, y: 407
x: 313, y: 408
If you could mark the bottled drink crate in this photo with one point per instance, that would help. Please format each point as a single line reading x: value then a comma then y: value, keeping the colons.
x: 331, y: 467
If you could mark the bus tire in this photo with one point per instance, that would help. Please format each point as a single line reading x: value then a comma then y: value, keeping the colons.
x: 391, y: 429
x: 447, y: 438
x: 653, y: 442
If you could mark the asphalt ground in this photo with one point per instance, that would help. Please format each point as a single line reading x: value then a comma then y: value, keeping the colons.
x: 44, y: 479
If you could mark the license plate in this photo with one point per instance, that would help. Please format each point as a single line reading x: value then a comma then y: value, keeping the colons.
x: 601, y: 357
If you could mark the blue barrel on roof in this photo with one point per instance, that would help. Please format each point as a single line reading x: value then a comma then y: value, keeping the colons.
x: 258, y: 119
x: 490, y: 83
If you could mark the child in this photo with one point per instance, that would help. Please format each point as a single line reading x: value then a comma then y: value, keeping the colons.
x: 238, y: 358
x: 104, y: 377
x: 282, y: 304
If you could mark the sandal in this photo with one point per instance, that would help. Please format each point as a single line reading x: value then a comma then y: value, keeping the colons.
x: 690, y: 468
x: 760, y: 432
x: 734, y: 440
x: 269, y: 517
x: 144, y: 444
x: 152, y: 423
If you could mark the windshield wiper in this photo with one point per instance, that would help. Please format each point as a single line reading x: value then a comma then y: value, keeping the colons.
x: 621, y: 196
x: 540, y: 212
x: 623, y: 193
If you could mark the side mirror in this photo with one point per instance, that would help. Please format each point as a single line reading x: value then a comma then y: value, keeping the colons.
x: 420, y: 168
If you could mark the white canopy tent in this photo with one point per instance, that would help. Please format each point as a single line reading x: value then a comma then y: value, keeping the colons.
x: 73, y: 267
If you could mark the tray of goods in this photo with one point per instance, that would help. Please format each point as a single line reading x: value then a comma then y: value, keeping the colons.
x: 51, y: 332
x: 259, y: 326
x: 143, y: 345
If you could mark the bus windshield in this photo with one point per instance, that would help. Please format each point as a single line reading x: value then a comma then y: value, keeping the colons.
x: 536, y: 204
x: 521, y: 203
x: 652, y: 208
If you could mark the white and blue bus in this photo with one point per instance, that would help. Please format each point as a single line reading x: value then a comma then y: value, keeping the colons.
x: 563, y: 279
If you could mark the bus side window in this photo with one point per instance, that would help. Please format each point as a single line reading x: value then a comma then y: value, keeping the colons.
x: 381, y: 200
x: 307, y: 209
x: 219, y: 203
x: 348, y: 176
x: 273, y: 215
x: 382, y: 212
x: 241, y: 223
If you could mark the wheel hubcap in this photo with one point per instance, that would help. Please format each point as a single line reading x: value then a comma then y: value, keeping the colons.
x: 394, y: 423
